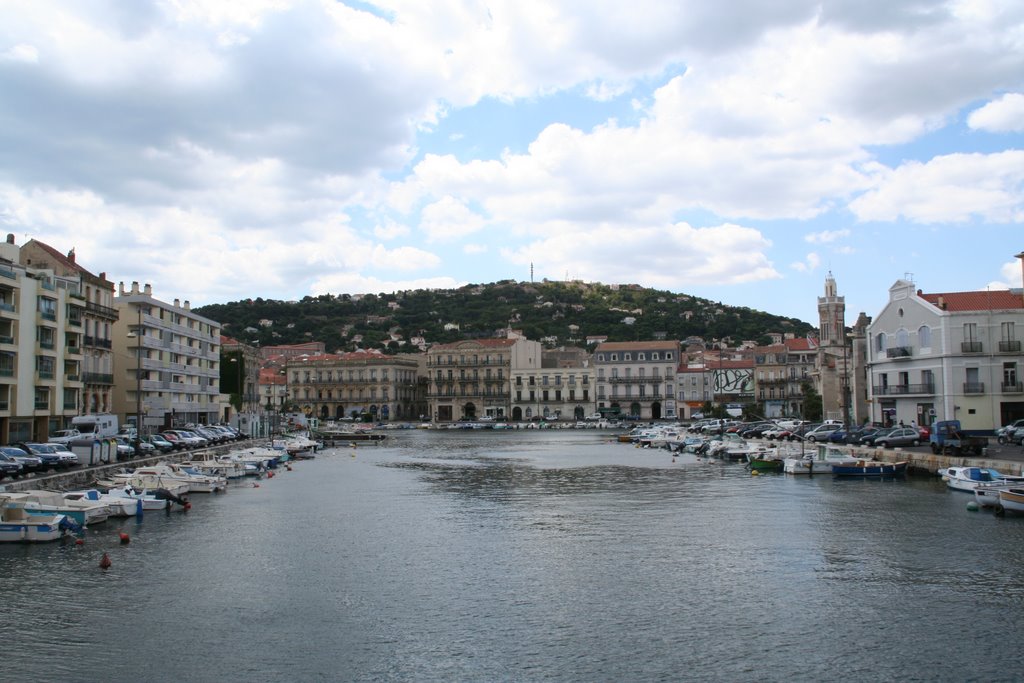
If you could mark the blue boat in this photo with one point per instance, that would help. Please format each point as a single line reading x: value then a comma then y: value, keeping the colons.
x: 870, y: 468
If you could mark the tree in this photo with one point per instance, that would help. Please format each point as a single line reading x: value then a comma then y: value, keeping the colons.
x: 812, y: 405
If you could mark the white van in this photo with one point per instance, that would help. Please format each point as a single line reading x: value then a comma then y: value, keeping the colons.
x: 95, y: 426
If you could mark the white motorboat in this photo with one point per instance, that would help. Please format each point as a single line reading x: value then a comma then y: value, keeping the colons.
x: 117, y: 506
x: 49, y: 503
x: 1011, y: 498
x: 819, y: 461
x: 223, y: 466
x: 17, y: 525
x: 148, y: 500
x: 969, y: 478
x: 152, y: 478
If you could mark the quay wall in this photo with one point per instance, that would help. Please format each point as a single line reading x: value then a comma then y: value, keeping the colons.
x: 924, y: 461
x: 85, y: 477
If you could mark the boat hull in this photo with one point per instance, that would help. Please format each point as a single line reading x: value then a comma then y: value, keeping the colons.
x: 870, y: 469
x: 38, y: 530
x: 1012, y: 499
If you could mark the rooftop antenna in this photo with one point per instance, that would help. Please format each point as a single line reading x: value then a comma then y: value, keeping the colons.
x: 531, y: 272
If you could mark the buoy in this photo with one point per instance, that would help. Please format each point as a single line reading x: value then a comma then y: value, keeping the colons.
x: 972, y: 506
x: 187, y: 506
x: 270, y: 475
x: 754, y: 473
x: 125, y: 539
x: 255, y: 485
x: 288, y: 467
x: 79, y: 541
x: 105, y: 561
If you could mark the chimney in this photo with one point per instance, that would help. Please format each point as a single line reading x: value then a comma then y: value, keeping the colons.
x: 135, y: 286
x: 187, y: 307
x: 71, y: 255
x: 149, y: 290
x: 942, y: 302
x: 177, y: 303
x: 10, y: 238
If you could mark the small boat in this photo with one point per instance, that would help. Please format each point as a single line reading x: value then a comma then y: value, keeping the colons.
x: 870, y: 468
x: 117, y: 506
x: 1011, y: 498
x: 49, y: 503
x: 820, y: 462
x: 149, y: 500
x: 17, y: 525
x: 968, y: 478
x: 758, y: 463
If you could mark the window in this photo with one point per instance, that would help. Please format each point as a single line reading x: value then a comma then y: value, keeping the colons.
x: 668, y: 355
x: 47, y: 308
x: 641, y: 356
x: 970, y: 332
x: 627, y: 356
x: 654, y: 355
x: 924, y: 337
x: 880, y: 341
x: 1006, y: 331
x: 902, y: 338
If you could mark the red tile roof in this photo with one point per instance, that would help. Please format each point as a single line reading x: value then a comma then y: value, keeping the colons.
x: 976, y: 301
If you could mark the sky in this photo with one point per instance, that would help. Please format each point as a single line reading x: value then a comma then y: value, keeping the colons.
x: 734, y: 151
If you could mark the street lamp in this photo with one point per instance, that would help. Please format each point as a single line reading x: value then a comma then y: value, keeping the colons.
x: 138, y: 335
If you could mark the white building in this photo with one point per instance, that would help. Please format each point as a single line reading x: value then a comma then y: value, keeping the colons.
x: 947, y: 356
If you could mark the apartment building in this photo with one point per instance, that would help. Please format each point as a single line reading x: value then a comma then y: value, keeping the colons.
x: 41, y: 313
x: 358, y: 385
x: 170, y: 362
x: 780, y: 373
x: 470, y: 379
x: 944, y: 356
x: 637, y: 379
x: 562, y: 388
x: 97, y: 322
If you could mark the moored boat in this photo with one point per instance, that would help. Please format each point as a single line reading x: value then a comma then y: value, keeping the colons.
x: 819, y: 461
x: 117, y: 506
x: 49, y: 503
x: 870, y: 468
x: 968, y: 478
x: 17, y: 525
x: 1011, y: 498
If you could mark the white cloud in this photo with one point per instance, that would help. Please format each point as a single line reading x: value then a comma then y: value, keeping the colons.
x: 1012, y: 274
x: 449, y: 219
x: 948, y: 189
x: 826, y: 236
x: 810, y: 263
x: 20, y: 53
x: 473, y: 249
x: 1000, y: 116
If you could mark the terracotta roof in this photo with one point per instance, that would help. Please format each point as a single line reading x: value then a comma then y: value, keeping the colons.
x: 801, y: 344
x: 636, y: 346
x: 61, y: 258
x: 976, y: 301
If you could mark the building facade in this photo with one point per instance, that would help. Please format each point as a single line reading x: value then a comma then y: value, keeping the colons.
x: 780, y: 373
x: 171, y: 362
x: 361, y: 385
x: 471, y: 379
x: 41, y: 357
x: 947, y: 356
x: 637, y: 379
x: 97, y: 322
x: 562, y: 388
x: 832, y: 369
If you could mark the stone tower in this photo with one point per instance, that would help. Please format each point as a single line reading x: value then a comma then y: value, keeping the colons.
x: 834, y: 364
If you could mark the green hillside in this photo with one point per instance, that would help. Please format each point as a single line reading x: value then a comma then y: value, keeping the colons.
x: 558, y: 313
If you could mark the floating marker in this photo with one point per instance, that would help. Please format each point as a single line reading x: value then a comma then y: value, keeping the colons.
x: 105, y: 562
x: 125, y: 538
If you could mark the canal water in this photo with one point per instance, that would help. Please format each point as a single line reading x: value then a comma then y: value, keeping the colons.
x: 527, y: 556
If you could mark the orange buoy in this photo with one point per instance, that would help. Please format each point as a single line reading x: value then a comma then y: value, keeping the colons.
x: 125, y: 538
x: 105, y: 561
x: 270, y: 475
x: 255, y: 486
x: 187, y: 506
x: 79, y: 541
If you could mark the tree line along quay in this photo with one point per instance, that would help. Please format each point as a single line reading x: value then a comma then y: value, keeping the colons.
x: 72, y: 343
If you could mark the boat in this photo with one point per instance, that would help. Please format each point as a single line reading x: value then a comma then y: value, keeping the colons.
x: 148, y: 499
x: 819, y: 461
x: 1011, y: 498
x: 765, y: 463
x: 18, y: 525
x: 968, y: 478
x: 152, y: 478
x: 870, y: 468
x: 49, y: 503
x: 222, y: 466
x: 117, y: 506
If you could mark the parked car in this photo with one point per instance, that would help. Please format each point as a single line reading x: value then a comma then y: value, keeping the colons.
x: 9, y: 467
x: 900, y: 436
x: 160, y: 443
x: 821, y: 432
x: 29, y: 463
x: 870, y: 439
x: 64, y: 436
x: 50, y: 459
x: 125, y: 450
x: 70, y: 459
x: 179, y: 443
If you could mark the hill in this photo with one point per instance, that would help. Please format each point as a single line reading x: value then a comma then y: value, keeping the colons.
x: 556, y: 313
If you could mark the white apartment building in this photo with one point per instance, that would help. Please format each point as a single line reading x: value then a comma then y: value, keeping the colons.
x: 562, y: 388
x: 637, y: 379
x: 41, y: 356
x: 947, y: 356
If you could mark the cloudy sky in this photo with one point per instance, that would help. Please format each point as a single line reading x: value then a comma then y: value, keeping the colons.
x: 737, y: 151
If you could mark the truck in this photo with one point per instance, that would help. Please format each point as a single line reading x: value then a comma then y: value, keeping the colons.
x: 101, y: 426
x: 947, y: 437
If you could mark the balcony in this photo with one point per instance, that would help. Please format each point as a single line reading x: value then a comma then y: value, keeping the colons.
x: 101, y: 311
x: 1011, y: 346
x: 96, y: 342
x: 899, y: 353
x: 927, y: 388
x: 974, y: 387
x: 636, y: 380
x: 970, y: 347
x: 1012, y: 388
x: 97, y: 378
x: 6, y: 339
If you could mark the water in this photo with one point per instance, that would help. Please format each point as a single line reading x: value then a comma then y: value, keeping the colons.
x: 528, y: 556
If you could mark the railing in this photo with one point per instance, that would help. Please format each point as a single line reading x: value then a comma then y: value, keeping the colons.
x: 103, y: 311
x: 468, y: 363
x: 1011, y: 346
x: 48, y: 345
x: 899, y: 352
x: 96, y: 342
x: 4, y: 306
x: 654, y: 379
x: 970, y: 347
x: 1012, y: 388
x: 47, y: 374
x: 73, y: 350
x: 902, y: 389
x: 72, y: 378
x: 6, y: 372
x: 97, y: 378
x: 974, y: 387
x: 5, y: 404
x: 48, y: 315
x: 42, y: 405
x: 6, y: 339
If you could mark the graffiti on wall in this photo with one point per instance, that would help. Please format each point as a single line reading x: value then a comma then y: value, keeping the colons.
x: 734, y: 381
